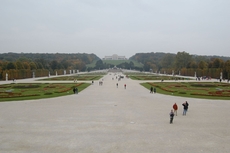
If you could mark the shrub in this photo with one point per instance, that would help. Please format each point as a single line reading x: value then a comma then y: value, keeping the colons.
x: 182, y: 92
x: 48, y: 93
x: 203, y: 85
x: 26, y: 86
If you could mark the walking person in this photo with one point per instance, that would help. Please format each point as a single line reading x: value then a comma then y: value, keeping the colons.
x: 185, y: 105
x: 74, y: 90
x: 125, y: 86
x: 154, y: 90
x: 117, y: 85
x: 151, y: 89
x: 171, y: 114
x: 175, y: 108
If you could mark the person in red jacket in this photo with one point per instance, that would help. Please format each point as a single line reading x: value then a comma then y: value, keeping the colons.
x: 175, y: 108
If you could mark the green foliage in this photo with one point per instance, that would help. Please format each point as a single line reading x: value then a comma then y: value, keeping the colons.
x: 16, y: 63
x: 182, y: 60
x: 48, y: 93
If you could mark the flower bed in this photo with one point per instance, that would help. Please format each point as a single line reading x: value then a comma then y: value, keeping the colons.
x: 16, y: 96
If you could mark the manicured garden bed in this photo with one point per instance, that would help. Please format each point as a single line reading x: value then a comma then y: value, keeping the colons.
x: 156, y: 77
x: 210, y: 90
x: 12, y: 92
x: 74, y: 77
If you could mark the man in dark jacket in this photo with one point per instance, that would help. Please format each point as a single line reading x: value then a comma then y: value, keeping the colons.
x: 185, y: 105
x: 151, y: 90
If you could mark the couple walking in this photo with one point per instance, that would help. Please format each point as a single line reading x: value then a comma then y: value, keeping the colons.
x: 185, y: 105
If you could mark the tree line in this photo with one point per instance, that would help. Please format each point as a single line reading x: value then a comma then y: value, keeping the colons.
x: 100, y: 64
x: 23, y: 65
x: 185, y: 64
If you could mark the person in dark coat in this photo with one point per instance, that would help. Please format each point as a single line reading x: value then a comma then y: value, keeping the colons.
x: 151, y: 90
x: 154, y: 90
x: 185, y: 105
x: 171, y: 114
x: 74, y: 90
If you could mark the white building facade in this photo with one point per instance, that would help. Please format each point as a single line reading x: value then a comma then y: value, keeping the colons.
x: 114, y: 57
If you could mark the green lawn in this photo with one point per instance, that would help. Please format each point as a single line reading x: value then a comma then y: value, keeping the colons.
x: 13, y: 92
x: 195, y: 90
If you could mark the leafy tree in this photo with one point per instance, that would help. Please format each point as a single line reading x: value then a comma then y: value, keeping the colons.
x: 193, y: 65
x: 65, y: 64
x: 33, y: 66
x: 99, y: 64
x: 10, y: 65
x: 131, y: 64
x: 227, y: 68
x: 217, y: 63
x: 19, y: 65
x: 202, y: 65
x: 39, y: 65
x: 167, y: 61
x: 26, y: 65
x: 182, y: 60
x: 54, y: 65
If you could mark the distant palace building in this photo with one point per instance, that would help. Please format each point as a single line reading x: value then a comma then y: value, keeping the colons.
x: 114, y: 57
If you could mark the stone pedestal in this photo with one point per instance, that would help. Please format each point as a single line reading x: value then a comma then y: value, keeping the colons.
x: 6, y: 76
x: 33, y: 74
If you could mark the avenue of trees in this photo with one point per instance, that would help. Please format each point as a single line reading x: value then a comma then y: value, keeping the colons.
x: 19, y: 66
x: 23, y: 65
x: 125, y: 65
x: 185, y: 64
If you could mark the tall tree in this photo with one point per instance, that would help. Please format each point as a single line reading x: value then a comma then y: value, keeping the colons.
x: 182, y: 60
x: 167, y: 61
x: 19, y: 65
x: 99, y: 64
x: 227, y: 68
x: 33, y: 66
x: 193, y: 65
x: 54, y: 65
x: 11, y: 65
x: 217, y: 63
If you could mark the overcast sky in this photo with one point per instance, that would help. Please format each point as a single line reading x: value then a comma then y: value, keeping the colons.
x: 123, y: 27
